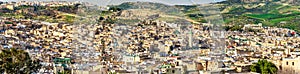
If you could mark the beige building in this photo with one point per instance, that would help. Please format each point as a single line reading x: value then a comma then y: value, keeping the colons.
x: 131, y: 58
x: 10, y: 6
x: 171, y: 71
x: 290, y: 65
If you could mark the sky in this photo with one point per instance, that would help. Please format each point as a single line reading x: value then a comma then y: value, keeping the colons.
x: 114, y: 2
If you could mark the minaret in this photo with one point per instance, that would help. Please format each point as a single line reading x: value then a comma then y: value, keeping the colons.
x: 190, y: 39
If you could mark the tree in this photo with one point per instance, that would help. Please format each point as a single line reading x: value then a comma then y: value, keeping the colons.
x: 227, y: 28
x: 114, y: 9
x: 264, y: 67
x: 65, y: 72
x: 236, y: 28
x: 17, y: 61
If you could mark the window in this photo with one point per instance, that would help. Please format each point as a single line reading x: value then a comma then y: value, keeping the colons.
x: 293, y: 63
x: 173, y: 71
x: 287, y: 63
x: 280, y: 67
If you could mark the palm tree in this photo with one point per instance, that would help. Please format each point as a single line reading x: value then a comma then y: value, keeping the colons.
x: 264, y: 67
x: 17, y: 61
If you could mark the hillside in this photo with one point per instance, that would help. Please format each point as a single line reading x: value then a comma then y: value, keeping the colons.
x: 133, y: 12
x: 293, y: 2
x: 64, y: 14
x: 275, y: 13
x: 271, y: 13
x: 152, y: 6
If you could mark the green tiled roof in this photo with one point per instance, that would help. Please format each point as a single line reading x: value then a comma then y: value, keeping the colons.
x: 176, y: 32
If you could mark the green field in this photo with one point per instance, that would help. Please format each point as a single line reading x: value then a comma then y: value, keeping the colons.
x: 278, y: 20
x: 264, y: 16
x: 269, y: 16
x: 270, y: 19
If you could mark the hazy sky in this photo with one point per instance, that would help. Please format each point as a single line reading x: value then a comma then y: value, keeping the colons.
x: 109, y: 2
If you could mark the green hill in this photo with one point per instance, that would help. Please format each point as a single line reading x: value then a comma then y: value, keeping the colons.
x: 149, y: 5
x: 276, y: 13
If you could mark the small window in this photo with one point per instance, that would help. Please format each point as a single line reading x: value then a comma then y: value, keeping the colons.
x: 173, y: 71
x: 280, y: 67
x: 287, y: 63
x: 293, y: 63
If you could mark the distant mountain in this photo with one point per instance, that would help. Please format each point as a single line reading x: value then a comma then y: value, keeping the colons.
x: 295, y: 2
x: 149, y: 5
x: 132, y: 12
x: 142, y: 5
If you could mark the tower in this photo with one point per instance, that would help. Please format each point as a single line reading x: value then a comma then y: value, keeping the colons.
x: 190, y: 39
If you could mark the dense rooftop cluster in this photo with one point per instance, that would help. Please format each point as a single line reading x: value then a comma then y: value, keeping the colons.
x: 149, y: 46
